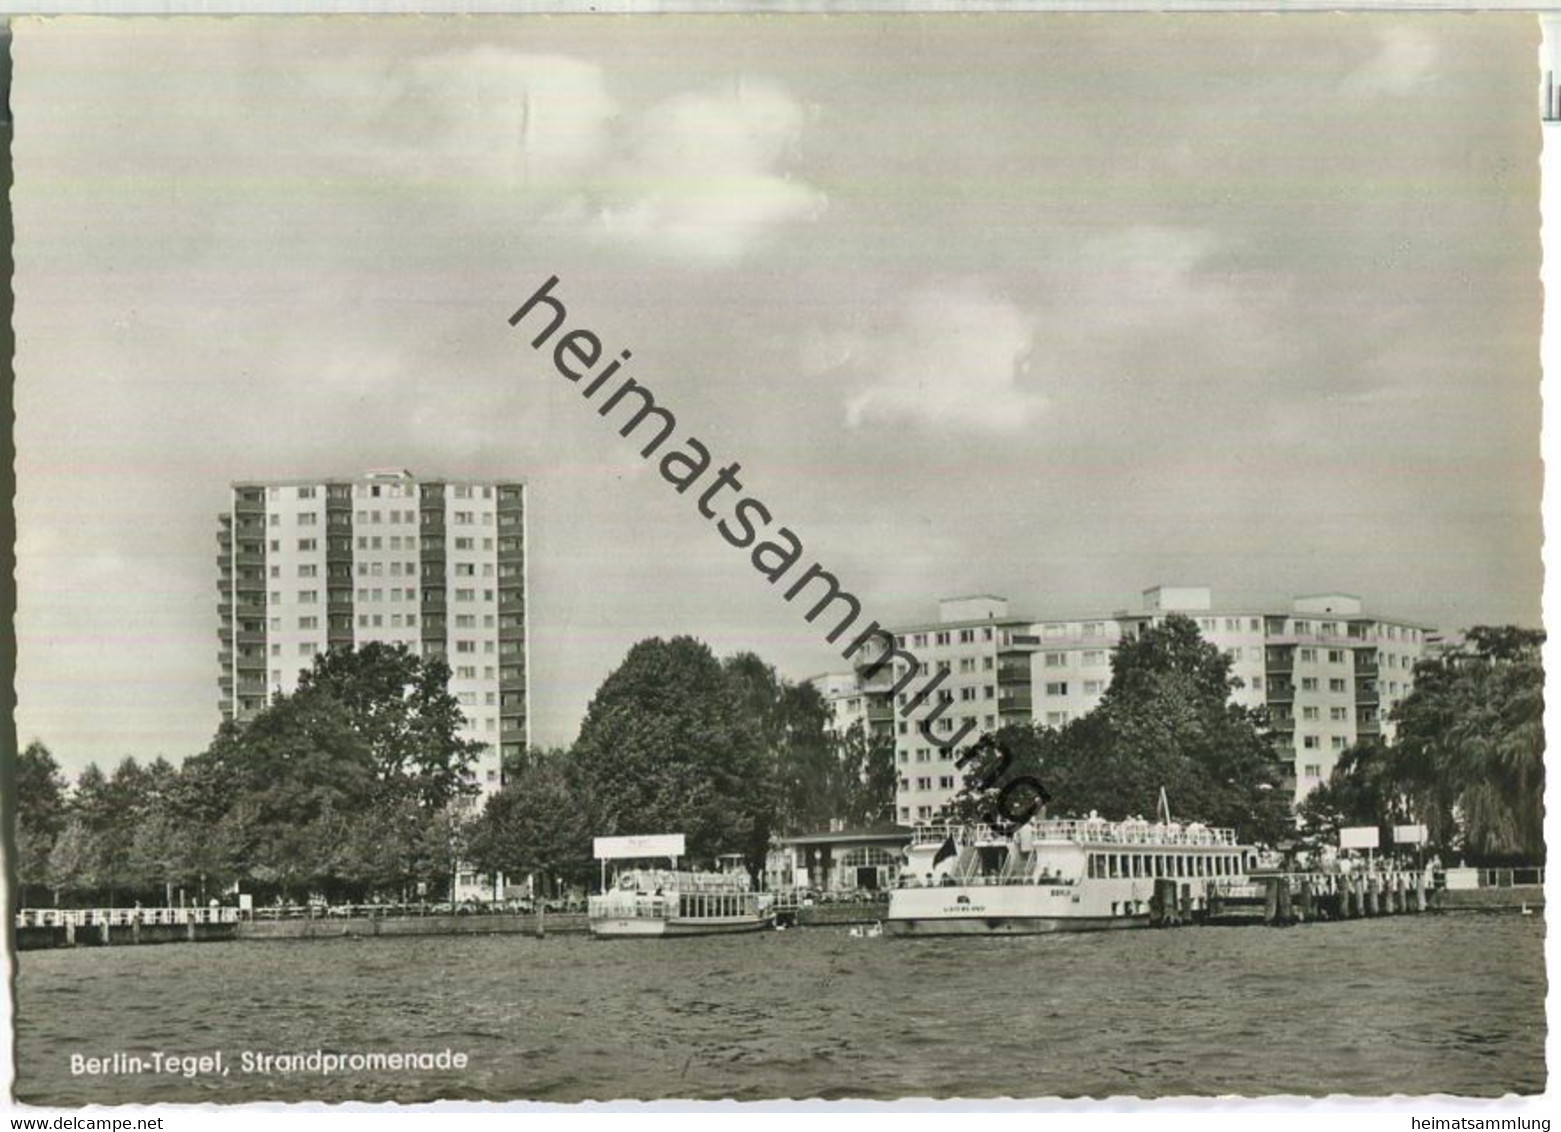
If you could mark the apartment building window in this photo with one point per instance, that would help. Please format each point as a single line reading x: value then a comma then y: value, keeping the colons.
x: 465, y: 570
x: 308, y: 622
x: 463, y: 491
x: 1057, y: 688
x: 463, y: 518
x: 466, y: 672
x: 967, y: 636
x: 308, y: 519
x: 1308, y: 656
x: 1257, y: 683
x: 940, y: 638
x: 1310, y: 742
x: 945, y: 725
x: 1308, y: 713
x: 465, y: 646
x: 1335, y: 656
x: 1330, y: 628
x: 1338, y: 714
x: 905, y: 728
x: 465, y: 621
x: 923, y: 754
x: 1302, y: 627
x: 307, y: 648
x: 905, y: 784
x: 986, y: 633
x: 1338, y: 742
x: 945, y: 782
x: 1337, y: 685
x: 465, y: 595
x: 1312, y: 770
x: 905, y: 757
x: 905, y: 813
x: 306, y: 544
x: 923, y: 812
x: 1094, y: 658
x: 988, y: 691
x: 987, y: 664
x: 1094, y: 687
x: 924, y: 784
x: 967, y: 693
x: 1094, y: 629
x: 1207, y: 624
x: 1056, y: 718
x: 920, y: 640
x: 308, y: 570
x: 944, y: 666
x: 989, y: 722
x: 1235, y: 654
x: 967, y: 664
x: 463, y: 544
x: 1056, y: 660
x: 276, y: 546
x: 1308, y: 683
x: 1255, y: 625
x: 378, y: 595
x: 276, y: 624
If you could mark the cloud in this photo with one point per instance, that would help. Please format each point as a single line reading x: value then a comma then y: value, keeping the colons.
x: 698, y: 176
x: 953, y: 359
x: 493, y: 118
x: 1405, y: 59
x: 702, y: 177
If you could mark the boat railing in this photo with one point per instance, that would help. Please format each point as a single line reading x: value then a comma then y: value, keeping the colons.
x: 1131, y: 832
x: 1095, y: 830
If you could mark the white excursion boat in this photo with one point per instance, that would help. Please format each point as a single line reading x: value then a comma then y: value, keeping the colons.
x: 1057, y: 876
x: 671, y: 902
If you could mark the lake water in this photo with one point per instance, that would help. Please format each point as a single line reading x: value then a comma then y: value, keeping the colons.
x: 1414, y: 1004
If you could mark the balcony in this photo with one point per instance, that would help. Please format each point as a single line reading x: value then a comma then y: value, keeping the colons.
x: 880, y: 711
x: 1280, y: 691
x: 1013, y: 673
x: 1279, y: 661
x: 249, y: 637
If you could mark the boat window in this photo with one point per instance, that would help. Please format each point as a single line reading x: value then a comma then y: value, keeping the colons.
x: 1181, y: 865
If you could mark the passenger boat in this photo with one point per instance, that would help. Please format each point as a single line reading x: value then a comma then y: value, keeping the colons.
x: 642, y: 901
x: 1057, y: 876
x: 664, y: 902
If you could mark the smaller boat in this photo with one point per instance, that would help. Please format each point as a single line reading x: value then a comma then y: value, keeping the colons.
x: 867, y: 931
x: 641, y: 901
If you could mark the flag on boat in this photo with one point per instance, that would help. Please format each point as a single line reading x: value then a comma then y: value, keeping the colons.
x: 945, y: 851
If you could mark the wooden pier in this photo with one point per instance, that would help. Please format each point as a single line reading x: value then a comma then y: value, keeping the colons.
x: 1281, y: 899
x: 37, y: 929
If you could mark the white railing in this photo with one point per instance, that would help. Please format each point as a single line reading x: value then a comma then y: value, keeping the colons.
x: 1081, y: 830
x: 1131, y: 832
x: 122, y: 917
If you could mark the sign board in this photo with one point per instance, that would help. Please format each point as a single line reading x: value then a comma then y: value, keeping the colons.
x: 246, y: 902
x: 1409, y: 835
x: 647, y: 845
x: 1358, y: 837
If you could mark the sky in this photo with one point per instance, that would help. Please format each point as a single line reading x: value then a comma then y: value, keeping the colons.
x: 1053, y: 307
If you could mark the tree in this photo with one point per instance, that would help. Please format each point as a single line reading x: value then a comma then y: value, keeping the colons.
x: 866, y: 765
x: 1470, y: 745
x: 400, y: 707
x: 805, y: 766
x: 537, y: 824
x: 668, y: 746
x: 40, y: 814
